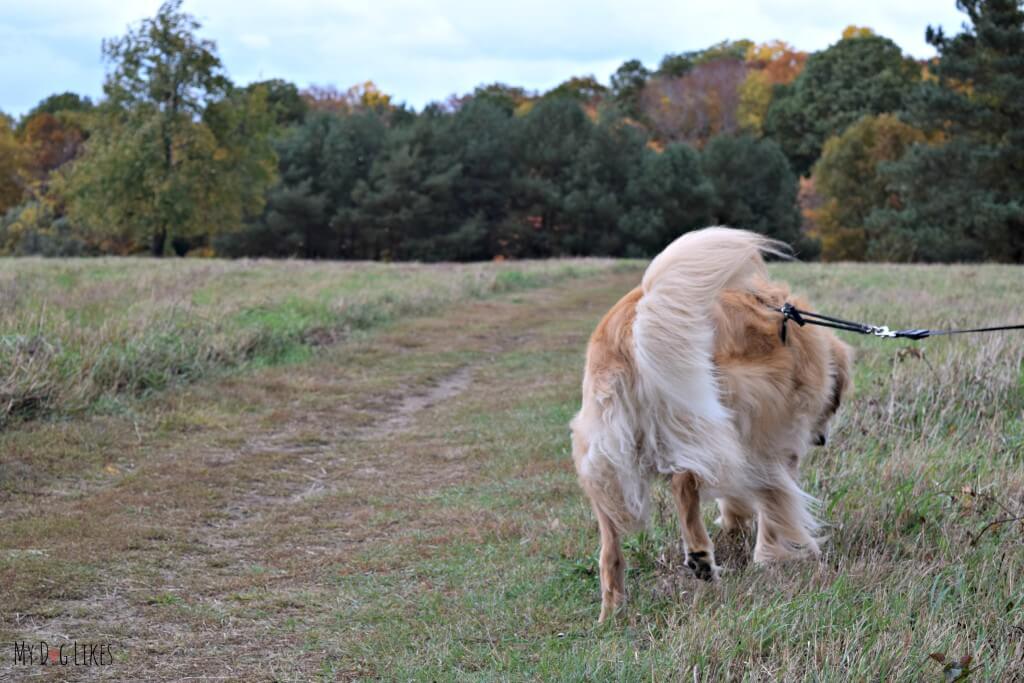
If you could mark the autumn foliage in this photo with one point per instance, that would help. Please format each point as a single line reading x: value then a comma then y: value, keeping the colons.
x: 768, y: 65
x: 856, y: 151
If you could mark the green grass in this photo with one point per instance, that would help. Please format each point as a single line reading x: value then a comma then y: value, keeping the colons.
x: 269, y: 527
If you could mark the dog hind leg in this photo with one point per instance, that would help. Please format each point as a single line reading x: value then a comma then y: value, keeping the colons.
x: 735, y: 514
x: 785, y: 525
x: 601, y: 483
x: 612, y: 567
x: 700, y: 553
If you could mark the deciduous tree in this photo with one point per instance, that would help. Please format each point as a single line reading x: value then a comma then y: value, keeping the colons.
x: 12, y: 162
x: 768, y: 65
x: 585, y: 89
x: 848, y: 179
x: 855, y: 77
x: 627, y: 84
x: 285, y: 102
x: 365, y: 96
x: 50, y: 142
x: 61, y: 103
x: 177, y: 151
x: 696, y: 106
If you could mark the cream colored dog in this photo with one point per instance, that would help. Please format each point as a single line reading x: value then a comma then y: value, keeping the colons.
x: 687, y: 378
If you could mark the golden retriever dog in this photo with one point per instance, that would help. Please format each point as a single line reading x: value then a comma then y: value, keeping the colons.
x: 687, y: 378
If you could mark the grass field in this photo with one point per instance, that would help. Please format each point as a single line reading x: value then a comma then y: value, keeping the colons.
x: 74, y: 333
x: 291, y: 471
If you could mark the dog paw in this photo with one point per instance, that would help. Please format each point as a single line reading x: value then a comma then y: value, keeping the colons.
x: 702, y: 564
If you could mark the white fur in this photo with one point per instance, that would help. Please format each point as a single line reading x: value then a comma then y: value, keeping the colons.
x: 672, y: 420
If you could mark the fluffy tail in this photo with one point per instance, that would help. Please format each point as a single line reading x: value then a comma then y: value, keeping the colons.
x: 687, y: 424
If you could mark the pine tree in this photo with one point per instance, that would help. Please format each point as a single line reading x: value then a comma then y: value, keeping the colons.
x: 754, y: 187
x: 963, y: 199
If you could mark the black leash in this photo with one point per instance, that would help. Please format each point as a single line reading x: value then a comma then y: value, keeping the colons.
x: 801, y: 318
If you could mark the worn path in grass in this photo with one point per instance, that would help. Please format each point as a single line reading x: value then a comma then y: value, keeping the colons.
x: 218, y: 530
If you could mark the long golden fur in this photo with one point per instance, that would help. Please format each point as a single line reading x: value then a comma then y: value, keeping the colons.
x: 687, y: 379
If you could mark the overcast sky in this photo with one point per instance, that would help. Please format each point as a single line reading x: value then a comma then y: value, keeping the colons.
x: 424, y: 50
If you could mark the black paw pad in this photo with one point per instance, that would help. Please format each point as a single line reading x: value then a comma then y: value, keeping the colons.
x: 700, y: 564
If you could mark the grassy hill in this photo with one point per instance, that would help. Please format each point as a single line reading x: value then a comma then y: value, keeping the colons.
x: 294, y: 471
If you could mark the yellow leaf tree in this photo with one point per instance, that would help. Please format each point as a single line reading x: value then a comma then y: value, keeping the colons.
x: 769, y: 64
x: 847, y: 179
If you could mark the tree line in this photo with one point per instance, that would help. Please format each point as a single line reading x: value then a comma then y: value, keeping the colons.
x: 855, y: 152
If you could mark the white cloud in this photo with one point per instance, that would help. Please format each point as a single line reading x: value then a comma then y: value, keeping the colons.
x: 422, y: 50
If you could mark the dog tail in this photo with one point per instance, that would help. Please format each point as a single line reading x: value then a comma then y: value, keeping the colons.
x: 674, y: 339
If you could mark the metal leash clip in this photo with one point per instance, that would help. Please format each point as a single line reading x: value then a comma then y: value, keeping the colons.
x: 882, y: 331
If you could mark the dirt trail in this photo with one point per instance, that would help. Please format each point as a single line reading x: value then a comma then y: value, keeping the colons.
x: 224, y: 509
x: 402, y: 416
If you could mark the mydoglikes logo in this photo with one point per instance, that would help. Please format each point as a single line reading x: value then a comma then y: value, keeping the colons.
x: 65, y: 654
